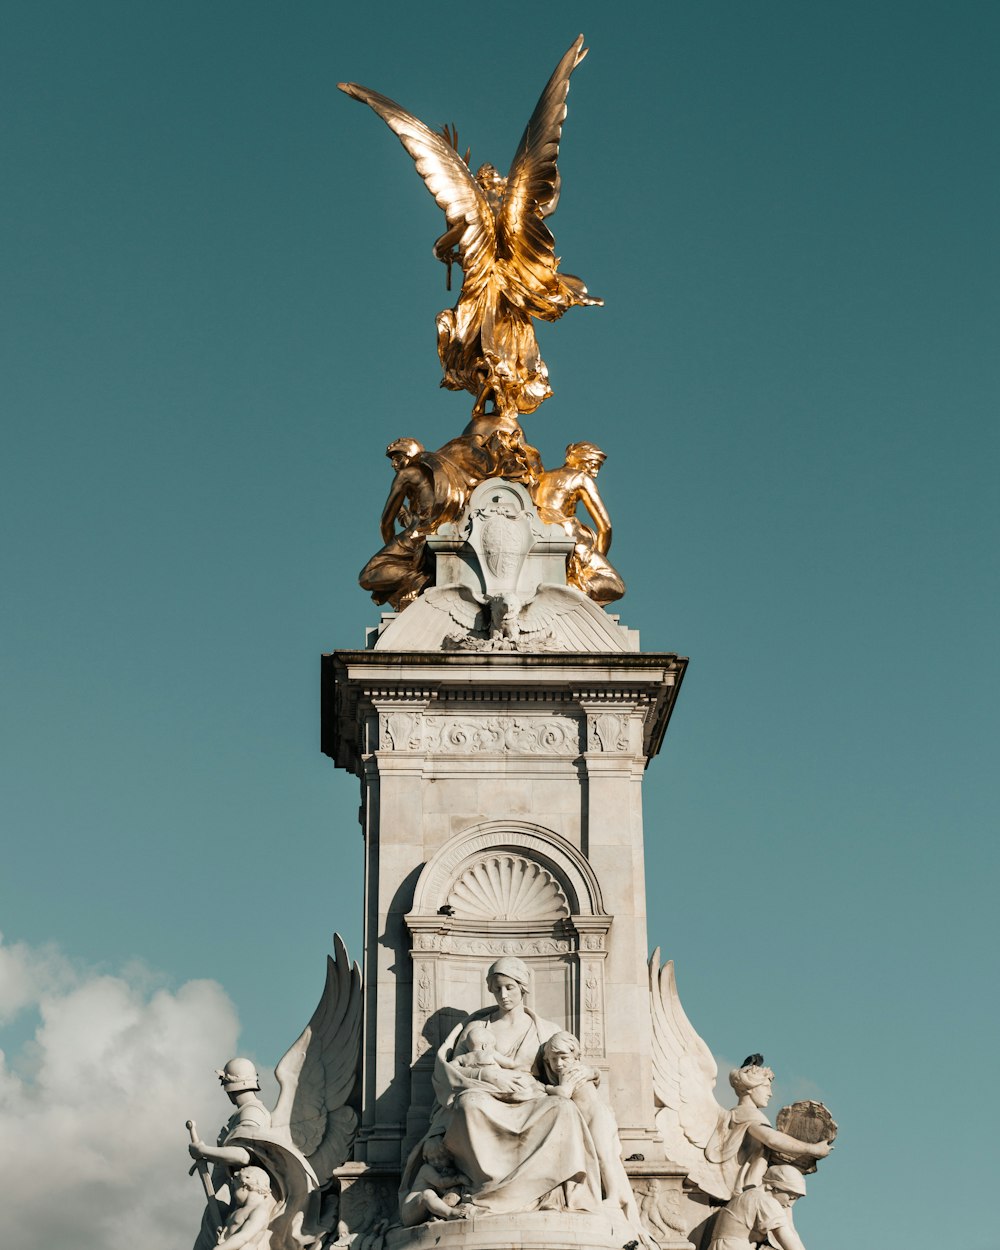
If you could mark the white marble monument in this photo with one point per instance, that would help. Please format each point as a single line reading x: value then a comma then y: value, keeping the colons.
x: 512, y: 1071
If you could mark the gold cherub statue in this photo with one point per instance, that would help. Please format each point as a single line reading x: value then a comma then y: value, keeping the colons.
x: 497, y: 234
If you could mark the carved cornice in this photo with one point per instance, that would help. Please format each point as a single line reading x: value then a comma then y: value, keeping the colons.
x: 357, y: 683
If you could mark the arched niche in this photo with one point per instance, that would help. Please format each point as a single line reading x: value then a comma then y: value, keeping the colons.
x: 508, y: 887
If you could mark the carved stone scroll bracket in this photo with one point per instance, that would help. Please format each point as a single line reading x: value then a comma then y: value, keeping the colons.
x: 608, y: 731
x: 614, y: 729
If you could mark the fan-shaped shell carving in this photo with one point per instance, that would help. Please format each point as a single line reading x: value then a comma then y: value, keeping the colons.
x: 507, y: 887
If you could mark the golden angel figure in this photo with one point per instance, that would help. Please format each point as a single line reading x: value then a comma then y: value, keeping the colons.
x: 497, y: 234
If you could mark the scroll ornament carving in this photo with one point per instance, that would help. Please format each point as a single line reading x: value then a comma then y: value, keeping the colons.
x: 496, y: 735
x: 551, y: 735
x: 460, y: 944
x: 507, y: 887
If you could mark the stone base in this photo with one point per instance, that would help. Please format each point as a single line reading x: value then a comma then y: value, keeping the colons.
x: 370, y: 1201
x: 531, y: 1230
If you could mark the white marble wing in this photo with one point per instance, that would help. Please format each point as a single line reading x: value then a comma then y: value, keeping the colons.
x: 551, y: 602
x: 684, y: 1076
x: 458, y: 602
x: 318, y: 1072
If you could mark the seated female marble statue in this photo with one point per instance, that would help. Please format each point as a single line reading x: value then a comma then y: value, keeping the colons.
x: 521, y: 1148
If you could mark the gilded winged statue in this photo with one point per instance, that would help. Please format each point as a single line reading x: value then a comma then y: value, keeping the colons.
x: 270, y: 1180
x: 497, y: 233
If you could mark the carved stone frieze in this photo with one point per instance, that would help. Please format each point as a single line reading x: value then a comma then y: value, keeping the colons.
x: 476, y: 735
x: 497, y: 735
x: 466, y: 944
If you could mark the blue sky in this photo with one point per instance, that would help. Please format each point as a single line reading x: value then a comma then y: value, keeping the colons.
x: 217, y: 309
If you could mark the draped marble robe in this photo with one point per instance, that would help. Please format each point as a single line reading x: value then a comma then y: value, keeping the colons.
x: 523, y: 1150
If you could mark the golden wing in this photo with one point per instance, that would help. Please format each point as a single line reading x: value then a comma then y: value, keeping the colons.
x: 531, y: 195
x: 448, y: 179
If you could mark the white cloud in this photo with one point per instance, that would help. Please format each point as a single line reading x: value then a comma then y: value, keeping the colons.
x: 92, y: 1138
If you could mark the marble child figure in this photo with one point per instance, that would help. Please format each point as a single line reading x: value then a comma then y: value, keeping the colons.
x: 482, y: 1059
x: 253, y: 1204
x: 436, y: 1188
x: 763, y: 1214
x: 571, y: 1078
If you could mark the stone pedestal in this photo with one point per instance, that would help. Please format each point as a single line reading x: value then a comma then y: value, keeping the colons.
x: 501, y: 805
x: 501, y: 767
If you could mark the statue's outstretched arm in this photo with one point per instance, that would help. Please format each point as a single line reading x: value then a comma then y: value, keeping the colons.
x: 775, y: 1139
x: 229, y: 1156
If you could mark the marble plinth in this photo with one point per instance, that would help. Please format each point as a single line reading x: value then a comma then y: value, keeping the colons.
x: 533, y: 1230
x: 478, y: 770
